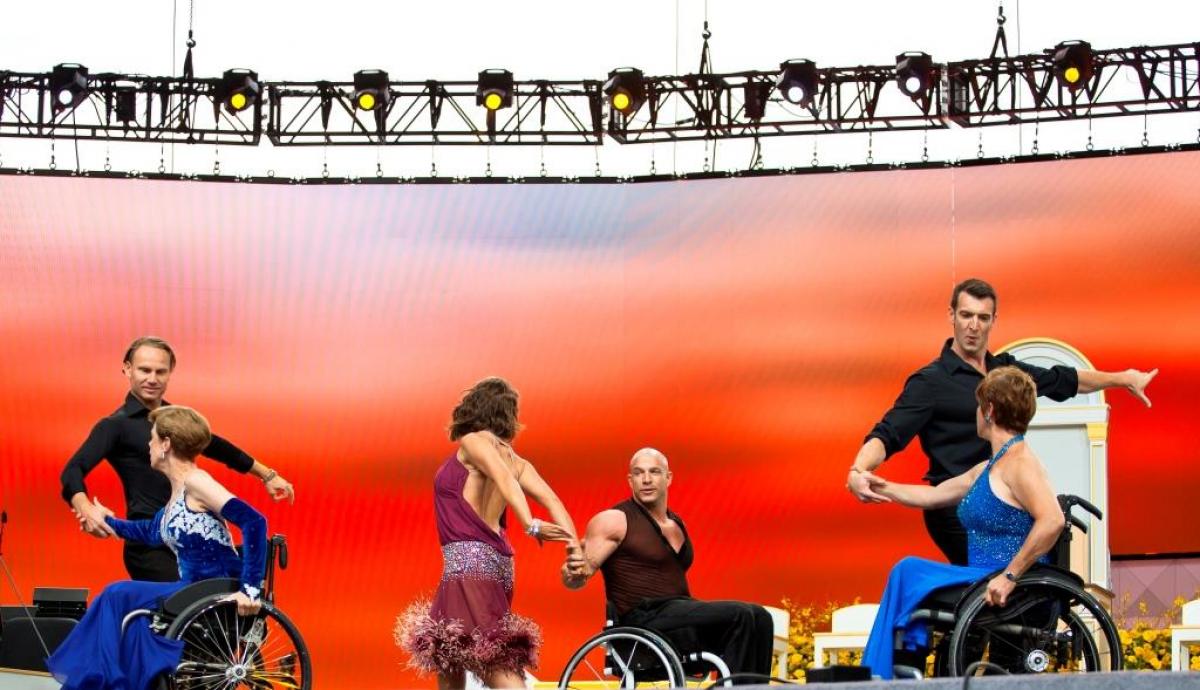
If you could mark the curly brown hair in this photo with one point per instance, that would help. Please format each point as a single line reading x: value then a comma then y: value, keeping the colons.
x: 1013, y: 396
x: 490, y: 405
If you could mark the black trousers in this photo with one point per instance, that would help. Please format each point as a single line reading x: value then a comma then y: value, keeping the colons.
x: 948, y: 533
x: 741, y: 634
x: 150, y: 563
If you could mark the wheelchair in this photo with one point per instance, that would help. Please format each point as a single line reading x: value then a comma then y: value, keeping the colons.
x: 625, y: 655
x: 1050, y: 623
x: 224, y: 650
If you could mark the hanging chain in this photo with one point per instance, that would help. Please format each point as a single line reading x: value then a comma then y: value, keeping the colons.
x: 542, y: 157
x: 979, y: 151
x: 925, y: 147
x: 378, y: 161
x: 1037, y: 125
x: 653, y: 167
x: 433, y: 161
x: 815, y: 162
x: 1089, y: 145
x: 705, y: 155
x: 216, y: 160
x: 870, y: 147
x: 162, y: 159
x: 487, y: 172
x: 1146, y: 129
x: 53, y: 165
x: 597, y: 150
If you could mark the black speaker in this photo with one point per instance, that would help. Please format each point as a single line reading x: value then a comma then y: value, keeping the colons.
x: 837, y: 674
x: 60, y: 602
x: 21, y: 648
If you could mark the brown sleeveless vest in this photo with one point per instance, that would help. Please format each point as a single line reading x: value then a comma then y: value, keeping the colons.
x: 644, y: 566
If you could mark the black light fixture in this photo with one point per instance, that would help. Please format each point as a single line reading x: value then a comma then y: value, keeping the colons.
x: 68, y: 84
x: 495, y: 89
x: 755, y: 95
x: 126, y: 105
x: 371, y: 89
x: 238, y: 89
x: 626, y: 89
x: 914, y: 73
x: 1073, y: 63
x: 797, y: 81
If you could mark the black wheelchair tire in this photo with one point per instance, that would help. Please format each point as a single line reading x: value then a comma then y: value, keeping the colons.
x: 190, y: 615
x: 972, y: 608
x: 657, y: 644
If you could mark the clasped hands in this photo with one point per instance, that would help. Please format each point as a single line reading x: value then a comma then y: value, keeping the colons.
x: 91, y: 519
x: 865, y: 486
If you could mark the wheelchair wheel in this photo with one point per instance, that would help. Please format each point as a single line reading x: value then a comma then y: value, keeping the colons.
x: 224, y: 650
x: 623, y: 657
x: 1046, y: 627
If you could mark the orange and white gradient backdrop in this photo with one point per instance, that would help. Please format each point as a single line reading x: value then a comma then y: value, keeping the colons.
x: 752, y: 329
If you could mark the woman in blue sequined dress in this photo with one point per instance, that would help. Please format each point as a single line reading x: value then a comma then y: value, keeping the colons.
x: 96, y: 655
x: 1006, y: 504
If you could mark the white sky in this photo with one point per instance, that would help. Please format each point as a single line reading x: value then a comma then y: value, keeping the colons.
x: 565, y: 39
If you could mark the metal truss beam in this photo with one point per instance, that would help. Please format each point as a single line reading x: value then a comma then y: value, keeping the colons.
x: 434, y: 112
x: 1127, y: 81
x: 705, y: 106
x: 164, y: 109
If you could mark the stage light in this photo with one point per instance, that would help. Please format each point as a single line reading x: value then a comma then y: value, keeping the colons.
x: 626, y: 89
x: 495, y: 89
x: 914, y: 73
x: 126, y: 105
x: 238, y: 89
x: 754, y: 96
x: 370, y: 89
x: 68, y: 84
x: 797, y: 81
x: 1073, y: 63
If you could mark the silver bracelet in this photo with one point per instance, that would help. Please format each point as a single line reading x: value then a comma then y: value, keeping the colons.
x: 533, y: 528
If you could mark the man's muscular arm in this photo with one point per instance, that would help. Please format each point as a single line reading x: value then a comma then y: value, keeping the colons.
x: 604, y: 534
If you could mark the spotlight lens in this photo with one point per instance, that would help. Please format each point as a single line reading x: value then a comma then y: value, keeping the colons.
x: 366, y: 101
x: 794, y: 94
x: 912, y: 84
x: 237, y: 101
x: 621, y: 100
x: 492, y: 101
x: 65, y: 97
x: 1071, y: 74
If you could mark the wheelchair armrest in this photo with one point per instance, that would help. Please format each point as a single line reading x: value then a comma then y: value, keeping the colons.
x: 136, y: 613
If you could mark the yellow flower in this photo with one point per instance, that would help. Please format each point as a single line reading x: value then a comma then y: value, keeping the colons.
x: 1150, y: 635
x: 1126, y: 638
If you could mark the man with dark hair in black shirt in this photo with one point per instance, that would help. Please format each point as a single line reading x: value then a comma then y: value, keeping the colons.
x: 938, y: 406
x: 123, y: 439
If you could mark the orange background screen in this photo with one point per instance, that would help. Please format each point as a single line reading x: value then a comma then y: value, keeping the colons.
x: 753, y: 330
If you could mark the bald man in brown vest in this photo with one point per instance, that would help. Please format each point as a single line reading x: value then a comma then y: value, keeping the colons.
x: 643, y: 551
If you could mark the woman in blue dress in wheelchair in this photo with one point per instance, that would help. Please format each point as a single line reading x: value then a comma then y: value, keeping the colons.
x: 1006, y: 504
x: 96, y: 654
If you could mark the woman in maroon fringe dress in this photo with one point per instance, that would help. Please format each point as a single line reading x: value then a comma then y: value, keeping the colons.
x: 468, y: 626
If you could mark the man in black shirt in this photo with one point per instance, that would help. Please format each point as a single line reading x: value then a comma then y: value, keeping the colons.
x: 938, y: 406
x: 123, y: 439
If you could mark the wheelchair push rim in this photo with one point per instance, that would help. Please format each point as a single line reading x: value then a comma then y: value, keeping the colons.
x: 1051, y: 628
x: 224, y: 650
x: 597, y: 663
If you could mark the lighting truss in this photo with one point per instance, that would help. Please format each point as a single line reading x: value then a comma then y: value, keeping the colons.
x: 704, y: 106
x: 434, y: 112
x: 154, y: 109
x: 1126, y: 81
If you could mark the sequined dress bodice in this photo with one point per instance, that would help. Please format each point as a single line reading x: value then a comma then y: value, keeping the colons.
x: 995, y: 529
x: 200, y: 540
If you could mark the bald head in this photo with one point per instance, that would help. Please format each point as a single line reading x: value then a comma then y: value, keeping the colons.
x: 651, y: 454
